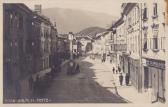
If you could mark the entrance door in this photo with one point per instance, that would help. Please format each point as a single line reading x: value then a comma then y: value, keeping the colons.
x: 146, y: 77
x: 155, y: 83
x: 161, y: 88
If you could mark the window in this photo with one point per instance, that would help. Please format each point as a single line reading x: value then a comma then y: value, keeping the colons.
x: 155, y: 9
x: 137, y: 14
x: 145, y: 45
x: 155, y: 43
x: 155, y: 40
x: 145, y: 14
x: 129, y: 22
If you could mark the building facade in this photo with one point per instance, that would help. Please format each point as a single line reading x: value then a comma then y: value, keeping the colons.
x: 145, y: 58
x: 131, y: 13
x: 27, y: 46
x: 154, y: 46
x: 16, y: 60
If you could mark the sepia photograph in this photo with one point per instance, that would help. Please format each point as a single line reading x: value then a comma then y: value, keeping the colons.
x: 85, y: 51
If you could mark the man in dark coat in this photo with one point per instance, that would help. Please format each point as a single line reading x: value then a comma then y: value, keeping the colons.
x: 127, y: 79
x: 121, y: 78
x: 119, y: 69
x: 113, y: 70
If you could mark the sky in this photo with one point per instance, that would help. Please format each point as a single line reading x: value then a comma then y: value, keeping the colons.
x: 111, y: 7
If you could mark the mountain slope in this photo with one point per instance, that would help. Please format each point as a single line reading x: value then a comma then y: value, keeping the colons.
x: 75, y: 20
x: 91, y: 31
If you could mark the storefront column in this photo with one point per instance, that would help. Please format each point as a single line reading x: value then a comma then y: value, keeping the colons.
x: 166, y: 80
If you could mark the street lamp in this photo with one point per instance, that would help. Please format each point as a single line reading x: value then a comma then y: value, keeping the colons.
x: 70, y: 37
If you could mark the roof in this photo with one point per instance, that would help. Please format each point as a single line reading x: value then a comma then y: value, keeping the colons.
x: 118, y: 22
x: 85, y: 37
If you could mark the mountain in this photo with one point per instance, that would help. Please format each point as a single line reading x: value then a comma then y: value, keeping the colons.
x: 91, y: 31
x: 75, y: 20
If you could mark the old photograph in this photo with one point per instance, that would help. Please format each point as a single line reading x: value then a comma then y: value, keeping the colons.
x: 85, y: 51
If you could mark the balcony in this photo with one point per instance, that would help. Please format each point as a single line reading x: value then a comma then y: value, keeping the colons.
x: 155, y: 16
x: 155, y: 25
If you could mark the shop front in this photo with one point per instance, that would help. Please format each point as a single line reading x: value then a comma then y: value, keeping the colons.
x: 125, y: 63
x: 154, y: 78
x: 135, y: 75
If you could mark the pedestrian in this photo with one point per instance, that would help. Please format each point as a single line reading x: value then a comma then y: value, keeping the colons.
x: 127, y: 79
x: 116, y: 71
x: 110, y: 59
x: 119, y: 69
x: 102, y: 59
x: 77, y: 68
x: 113, y: 70
x: 121, y: 79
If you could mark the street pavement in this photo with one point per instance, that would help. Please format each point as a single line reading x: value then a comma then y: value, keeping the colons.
x: 94, y: 84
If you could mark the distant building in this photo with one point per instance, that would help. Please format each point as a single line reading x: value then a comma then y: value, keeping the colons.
x: 84, y: 40
x: 120, y: 44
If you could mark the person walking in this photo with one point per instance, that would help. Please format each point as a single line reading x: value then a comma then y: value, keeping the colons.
x: 113, y: 70
x: 119, y: 69
x: 127, y: 79
x: 121, y: 79
x: 116, y: 71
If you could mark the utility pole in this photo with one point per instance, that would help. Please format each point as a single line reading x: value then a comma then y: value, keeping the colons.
x: 70, y: 37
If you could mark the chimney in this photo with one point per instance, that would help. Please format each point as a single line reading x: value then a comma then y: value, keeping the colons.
x: 38, y: 8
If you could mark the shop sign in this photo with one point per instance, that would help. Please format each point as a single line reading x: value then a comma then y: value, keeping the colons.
x: 144, y: 62
x: 156, y: 63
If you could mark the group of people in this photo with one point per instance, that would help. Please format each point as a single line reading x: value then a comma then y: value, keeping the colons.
x: 126, y: 79
x: 121, y: 77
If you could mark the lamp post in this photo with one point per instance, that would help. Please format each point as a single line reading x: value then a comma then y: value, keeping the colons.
x: 70, y: 37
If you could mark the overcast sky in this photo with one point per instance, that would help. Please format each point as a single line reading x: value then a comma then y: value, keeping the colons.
x: 103, y: 6
x: 112, y: 7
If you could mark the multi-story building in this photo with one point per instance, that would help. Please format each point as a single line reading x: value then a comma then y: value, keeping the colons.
x: 16, y: 58
x: 131, y: 13
x: 53, y: 55
x: 154, y: 49
x: 146, y: 38
x: 166, y: 13
x: 27, y: 45
x: 84, y: 40
x: 120, y: 45
x: 42, y: 37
